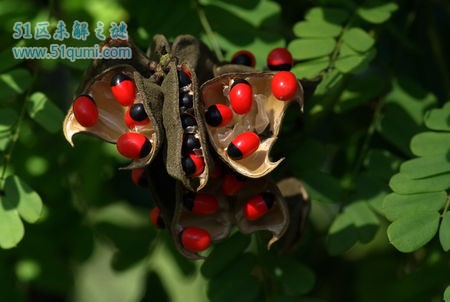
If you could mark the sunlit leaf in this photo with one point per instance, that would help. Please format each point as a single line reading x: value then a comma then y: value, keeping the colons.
x: 426, y: 166
x: 358, y: 39
x: 11, y: 227
x: 430, y: 143
x: 310, y: 69
x: 303, y: 49
x: 316, y: 29
x: 410, y: 233
x: 447, y: 294
x: 350, y: 61
x: 44, y: 112
x: 402, y: 184
x: 444, y: 231
x: 377, y: 11
x: 438, y: 119
x: 398, y: 205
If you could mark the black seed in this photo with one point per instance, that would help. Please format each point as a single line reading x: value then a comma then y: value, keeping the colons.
x: 146, y: 148
x: 242, y: 59
x: 187, y: 121
x: 119, y: 78
x: 190, y: 142
x: 268, y: 198
x: 213, y: 116
x: 280, y: 67
x: 188, y: 200
x: 239, y: 81
x: 137, y: 112
x: 234, y: 152
x: 183, y: 78
x: 188, y: 165
x: 186, y: 100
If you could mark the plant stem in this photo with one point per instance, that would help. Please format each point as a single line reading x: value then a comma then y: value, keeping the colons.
x: 209, y: 32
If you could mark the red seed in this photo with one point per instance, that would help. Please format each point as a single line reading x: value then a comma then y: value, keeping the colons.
x: 200, y: 203
x: 133, y: 145
x: 244, y: 57
x: 195, y: 239
x: 284, y: 85
x: 218, y: 115
x: 123, y: 89
x: 231, y: 184
x: 155, y: 218
x: 243, y: 145
x: 280, y: 59
x: 258, y: 206
x: 85, y: 111
x: 138, y: 177
x: 241, y: 97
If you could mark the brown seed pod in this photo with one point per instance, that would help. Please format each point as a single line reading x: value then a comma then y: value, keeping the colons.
x: 173, y: 123
x: 264, y: 119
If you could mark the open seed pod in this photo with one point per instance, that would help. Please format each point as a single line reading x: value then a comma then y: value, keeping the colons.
x: 256, y: 113
x: 206, y: 210
x: 187, y: 157
x: 117, y: 103
x: 232, y: 68
x: 299, y: 205
x: 259, y: 206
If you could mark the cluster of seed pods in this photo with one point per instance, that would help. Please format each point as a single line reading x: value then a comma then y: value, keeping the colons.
x: 141, y: 105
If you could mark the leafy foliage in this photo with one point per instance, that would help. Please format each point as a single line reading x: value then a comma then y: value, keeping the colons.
x: 372, y: 148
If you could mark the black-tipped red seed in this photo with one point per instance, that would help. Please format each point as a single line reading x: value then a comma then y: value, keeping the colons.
x: 258, y: 205
x: 85, y: 111
x: 133, y: 145
x: 192, y: 165
x: 186, y: 100
x: 183, y: 78
x: 188, y: 120
x: 241, y: 96
x: 280, y: 59
x: 190, y: 142
x: 218, y: 115
x: 139, y: 178
x: 243, y: 145
x: 244, y: 57
x: 123, y: 89
x: 200, y: 203
x: 156, y: 219
x: 195, y: 239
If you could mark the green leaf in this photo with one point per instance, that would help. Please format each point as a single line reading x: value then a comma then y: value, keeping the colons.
x: 401, y: 183
x: 365, y: 221
x: 342, y: 234
x: 444, y: 232
x: 381, y: 164
x: 430, y: 143
x: 224, y: 254
x: 377, y: 11
x: 447, y: 294
x: 350, y: 61
x: 310, y: 69
x: 410, y: 233
x: 14, y: 82
x: 426, y: 166
x: 44, y: 112
x: 303, y: 49
x: 397, y: 205
x: 11, y: 227
x: 438, y: 119
x: 7, y: 118
x: 332, y: 15
x: 316, y: 29
x: 5, y: 139
x: 358, y: 39
x: 295, y: 278
x: 18, y: 195
x: 372, y: 190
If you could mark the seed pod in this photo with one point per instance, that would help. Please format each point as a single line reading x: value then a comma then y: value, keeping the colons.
x: 264, y: 125
x: 191, y: 170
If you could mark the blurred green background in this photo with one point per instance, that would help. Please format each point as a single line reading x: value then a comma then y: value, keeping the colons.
x: 383, y: 65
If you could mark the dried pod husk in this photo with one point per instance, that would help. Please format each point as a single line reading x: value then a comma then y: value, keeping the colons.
x: 159, y: 48
x: 111, y: 114
x: 276, y: 220
x: 188, y: 49
x: 174, y: 130
x: 232, y: 68
x: 299, y: 205
x: 264, y: 119
x: 218, y: 224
